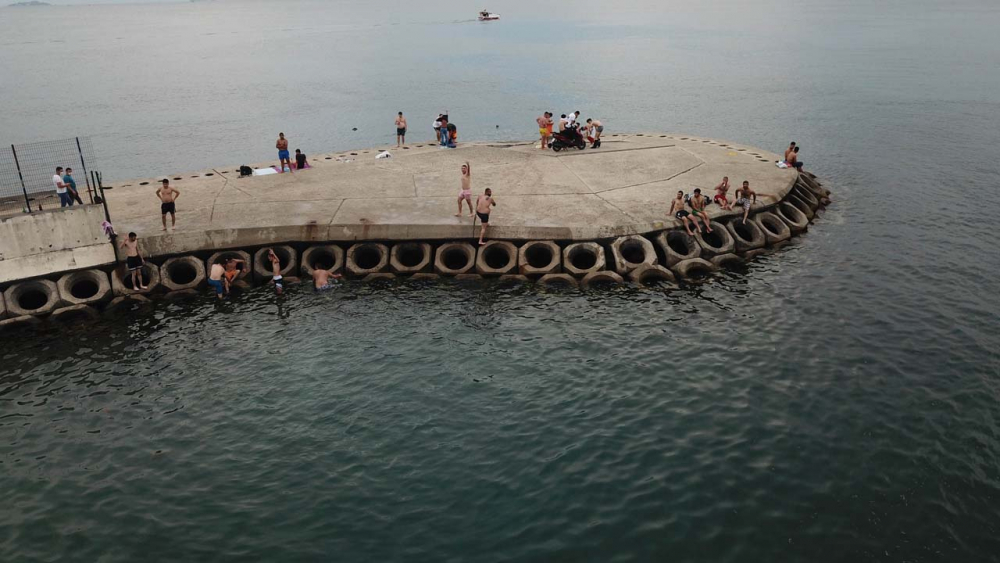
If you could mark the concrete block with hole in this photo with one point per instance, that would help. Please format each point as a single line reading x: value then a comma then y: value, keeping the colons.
x: 496, y: 258
x: 3, y: 307
x: 693, y: 268
x: 716, y: 242
x: 775, y: 230
x: 558, y: 280
x: 182, y: 272
x: 601, y: 278
x: 538, y: 258
x: 288, y: 261
x: 582, y: 258
x: 234, y: 254
x: 322, y: 257
x: 746, y: 236
x: 801, y: 205
x: 74, y: 313
x: 796, y: 220
x: 366, y: 258
x: 411, y: 257
x: 19, y: 323
x: 121, y: 279
x: 651, y: 273
x: 454, y: 258
x: 32, y: 297
x: 86, y: 287
x: 677, y: 246
x: 630, y: 252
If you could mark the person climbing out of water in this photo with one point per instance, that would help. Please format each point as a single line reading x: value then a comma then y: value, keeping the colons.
x: 597, y: 128
x: 217, y: 278
x: 322, y: 279
x: 133, y: 260
x: 744, y: 196
x: 233, y: 268
x: 168, y: 203
x: 793, y: 160
x: 483, y: 206
x: 400, y: 130
x: 698, y: 203
x: 466, y: 193
x: 284, y: 159
x: 300, y: 160
x: 275, y: 271
x: 677, y: 210
x: 720, y: 194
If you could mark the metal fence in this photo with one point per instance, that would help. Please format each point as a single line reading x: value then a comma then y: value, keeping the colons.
x: 27, y: 170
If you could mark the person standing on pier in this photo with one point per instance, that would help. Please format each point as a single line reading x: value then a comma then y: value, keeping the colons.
x: 168, y: 197
x: 437, y: 127
x: 62, y: 190
x: 71, y: 184
x: 483, y: 208
x: 597, y: 128
x: 400, y: 130
x: 133, y: 260
x: 466, y: 193
x: 545, y: 128
x: 284, y: 159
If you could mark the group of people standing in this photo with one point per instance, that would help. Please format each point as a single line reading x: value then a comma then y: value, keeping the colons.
x: 591, y: 130
x: 66, y: 187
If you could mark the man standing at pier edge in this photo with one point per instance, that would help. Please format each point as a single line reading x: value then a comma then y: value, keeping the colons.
x: 71, y: 184
x: 284, y: 159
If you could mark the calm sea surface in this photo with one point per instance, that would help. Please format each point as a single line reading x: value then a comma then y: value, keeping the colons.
x: 837, y: 401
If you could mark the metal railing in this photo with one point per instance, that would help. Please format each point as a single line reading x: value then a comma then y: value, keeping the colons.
x: 27, y: 170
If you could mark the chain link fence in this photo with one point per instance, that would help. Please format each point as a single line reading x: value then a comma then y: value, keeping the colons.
x: 27, y: 170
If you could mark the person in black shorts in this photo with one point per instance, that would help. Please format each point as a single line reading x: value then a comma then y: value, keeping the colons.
x: 400, y: 130
x: 168, y: 195
x: 677, y: 210
x: 484, y: 204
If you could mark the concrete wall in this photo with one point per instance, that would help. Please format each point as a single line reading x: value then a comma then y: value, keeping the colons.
x: 59, y: 240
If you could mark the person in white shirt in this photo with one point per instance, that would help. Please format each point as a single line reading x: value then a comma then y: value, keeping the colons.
x: 572, y: 117
x: 65, y: 199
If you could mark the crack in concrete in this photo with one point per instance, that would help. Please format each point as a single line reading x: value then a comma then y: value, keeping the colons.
x: 667, y: 179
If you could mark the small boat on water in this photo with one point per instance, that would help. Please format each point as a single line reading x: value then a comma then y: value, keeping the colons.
x: 486, y: 16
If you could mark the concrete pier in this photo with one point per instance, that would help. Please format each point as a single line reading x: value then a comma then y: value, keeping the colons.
x: 622, y: 188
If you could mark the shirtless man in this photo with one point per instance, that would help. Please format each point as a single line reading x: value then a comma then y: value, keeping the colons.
x: 543, y: 128
x: 793, y: 160
x: 466, y: 193
x: 597, y: 128
x: 400, y: 130
x: 788, y: 151
x: 677, y: 210
x: 275, y: 271
x: 698, y: 203
x: 745, y: 197
x: 563, y: 123
x: 284, y: 159
x: 483, y: 205
x: 321, y: 279
x: 234, y: 267
x: 216, y: 278
x: 168, y: 197
x: 133, y: 260
x: 720, y: 194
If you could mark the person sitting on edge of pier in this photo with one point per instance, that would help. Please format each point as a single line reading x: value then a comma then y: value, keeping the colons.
x: 677, y: 210
x: 216, y: 278
x: 720, y: 194
x: 275, y: 271
x: 321, y: 279
x: 788, y: 151
x: 698, y: 203
x: 793, y: 160
x: 483, y: 205
x: 744, y: 196
x: 133, y: 260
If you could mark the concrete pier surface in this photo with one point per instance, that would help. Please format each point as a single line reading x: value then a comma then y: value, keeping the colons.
x: 622, y: 188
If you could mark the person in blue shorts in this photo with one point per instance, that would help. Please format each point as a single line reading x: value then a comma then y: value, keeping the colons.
x: 284, y: 159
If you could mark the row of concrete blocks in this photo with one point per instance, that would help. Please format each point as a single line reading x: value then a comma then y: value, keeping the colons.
x: 664, y: 256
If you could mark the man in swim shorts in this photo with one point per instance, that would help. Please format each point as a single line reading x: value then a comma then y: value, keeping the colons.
x: 466, y: 193
x: 321, y: 279
x: 744, y: 196
x: 544, y: 126
x: 483, y: 206
x: 133, y: 260
x: 720, y: 194
x: 284, y: 159
x: 168, y: 198
x: 279, y: 287
x: 597, y: 127
x: 216, y: 278
x: 698, y: 203
x: 234, y: 267
x: 677, y: 210
x: 400, y: 130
